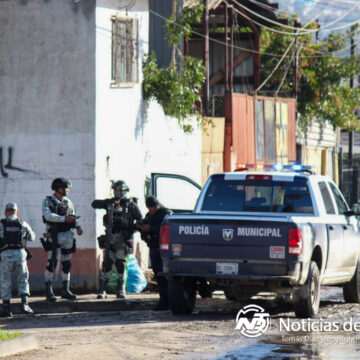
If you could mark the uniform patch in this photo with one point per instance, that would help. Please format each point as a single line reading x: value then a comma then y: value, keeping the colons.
x: 277, y: 252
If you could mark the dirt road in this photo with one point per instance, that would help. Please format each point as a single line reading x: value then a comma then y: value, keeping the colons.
x: 209, y: 333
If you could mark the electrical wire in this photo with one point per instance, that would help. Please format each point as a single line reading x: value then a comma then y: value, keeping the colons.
x: 292, y: 27
x: 286, y: 72
x: 242, y: 48
x: 276, y: 66
x: 285, y: 32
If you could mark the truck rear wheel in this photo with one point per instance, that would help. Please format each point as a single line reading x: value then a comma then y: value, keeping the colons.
x: 307, y: 297
x: 182, y: 296
x: 351, y: 290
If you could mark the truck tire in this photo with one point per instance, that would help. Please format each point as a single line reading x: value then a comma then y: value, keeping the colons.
x: 351, y: 290
x: 182, y: 296
x: 306, y: 298
x: 228, y: 294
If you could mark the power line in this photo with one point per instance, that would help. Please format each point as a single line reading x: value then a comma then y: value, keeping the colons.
x: 239, y: 47
x: 285, y: 32
x: 292, y: 27
x: 276, y: 66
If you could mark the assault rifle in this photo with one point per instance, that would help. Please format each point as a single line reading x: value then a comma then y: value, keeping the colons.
x: 109, y: 231
x: 54, y: 237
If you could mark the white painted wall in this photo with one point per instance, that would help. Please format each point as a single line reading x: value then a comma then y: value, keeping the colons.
x: 135, y: 141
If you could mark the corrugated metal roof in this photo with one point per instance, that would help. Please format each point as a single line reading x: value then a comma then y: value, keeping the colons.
x: 213, y: 4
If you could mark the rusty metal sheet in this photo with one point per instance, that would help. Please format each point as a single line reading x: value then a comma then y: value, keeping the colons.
x: 259, y: 130
x: 270, y: 144
x: 243, y: 146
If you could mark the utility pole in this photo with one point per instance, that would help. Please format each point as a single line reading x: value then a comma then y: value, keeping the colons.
x: 351, y: 133
x: 296, y: 63
x: 205, y: 98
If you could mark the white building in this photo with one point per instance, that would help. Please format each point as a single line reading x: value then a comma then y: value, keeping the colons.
x: 71, y: 106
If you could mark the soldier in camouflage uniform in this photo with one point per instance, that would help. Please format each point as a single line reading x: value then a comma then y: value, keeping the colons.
x: 59, y: 216
x: 13, y: 236
x: 126, y: 212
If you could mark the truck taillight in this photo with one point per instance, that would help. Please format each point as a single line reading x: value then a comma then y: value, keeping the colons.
x: 295, y: 241
x: 164, y: 237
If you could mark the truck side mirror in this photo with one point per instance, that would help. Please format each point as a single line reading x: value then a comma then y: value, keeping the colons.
x: 355, y: 209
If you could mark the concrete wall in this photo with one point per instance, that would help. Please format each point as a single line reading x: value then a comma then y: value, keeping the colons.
x: 47, y: 113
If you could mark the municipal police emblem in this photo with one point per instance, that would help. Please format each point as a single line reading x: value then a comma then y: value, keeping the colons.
x: 228, y: 234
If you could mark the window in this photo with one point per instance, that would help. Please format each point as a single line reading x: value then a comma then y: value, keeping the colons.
x: 258, y: 196
x: 340, y: 202
x: 124, y: 51
x: 329, y: 206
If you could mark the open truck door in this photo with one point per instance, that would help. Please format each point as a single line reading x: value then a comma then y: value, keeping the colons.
x: 176, y: 192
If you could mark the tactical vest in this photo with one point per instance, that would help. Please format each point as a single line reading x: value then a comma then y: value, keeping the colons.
x: 13, y: 238
x: 60, y: 209
x: 122, y: 219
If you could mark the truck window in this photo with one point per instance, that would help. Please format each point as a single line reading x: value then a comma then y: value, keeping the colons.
x: 258, y: 196
x: 329, y: 206
x: 340, y: 202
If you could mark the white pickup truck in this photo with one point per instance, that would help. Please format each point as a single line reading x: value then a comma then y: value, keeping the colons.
x: 252, y: 231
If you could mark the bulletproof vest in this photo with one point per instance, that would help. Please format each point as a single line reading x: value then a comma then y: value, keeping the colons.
x: 13, y: 238
x: 60, y: 209
x: 122, y: 218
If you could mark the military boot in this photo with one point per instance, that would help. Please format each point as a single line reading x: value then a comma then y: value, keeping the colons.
x: 66, y: 293
x: 120, y: 294
x: 49, y: 292
x: 103, y: 286
x: 6, y: 309
x: 25, y: 308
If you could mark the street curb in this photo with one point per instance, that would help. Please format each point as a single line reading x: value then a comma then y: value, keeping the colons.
x: 18, y: 345
x: 65, y: 306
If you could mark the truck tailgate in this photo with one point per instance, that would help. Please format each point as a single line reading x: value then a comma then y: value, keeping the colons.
x: 232, y: 247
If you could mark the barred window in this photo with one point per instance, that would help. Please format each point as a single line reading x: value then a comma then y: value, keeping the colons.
x: 124, y: 51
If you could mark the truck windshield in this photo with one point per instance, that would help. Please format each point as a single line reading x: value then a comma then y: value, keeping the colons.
x: 258, y: 196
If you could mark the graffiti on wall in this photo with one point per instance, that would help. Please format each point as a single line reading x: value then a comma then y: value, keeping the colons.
x: 8, y: 165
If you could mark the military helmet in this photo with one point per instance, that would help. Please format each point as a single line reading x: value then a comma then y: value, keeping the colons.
x: 60, y: 183
x: 120, y: 188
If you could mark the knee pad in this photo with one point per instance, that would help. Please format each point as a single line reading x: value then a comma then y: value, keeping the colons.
x: 120, y: 266
x: 66, y: 266
x: 51, y: 266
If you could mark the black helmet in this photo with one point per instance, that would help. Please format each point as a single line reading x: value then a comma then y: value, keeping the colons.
x: 120, y: 189
x: 60, y: 183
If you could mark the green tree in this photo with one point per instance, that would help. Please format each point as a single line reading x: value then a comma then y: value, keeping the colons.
x: 177, y: 88
x: 324, y: 92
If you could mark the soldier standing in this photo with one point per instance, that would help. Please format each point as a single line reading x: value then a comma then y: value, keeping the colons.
x: 150, y: 233
x: 59, y: 216
x: 125, y: 213
x: 13, y: 236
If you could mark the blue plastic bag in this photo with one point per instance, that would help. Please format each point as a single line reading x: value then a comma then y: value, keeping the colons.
x: 135, y: 281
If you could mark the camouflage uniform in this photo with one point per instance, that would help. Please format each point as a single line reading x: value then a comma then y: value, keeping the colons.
x: 65, y: 239
x: 15, y: 259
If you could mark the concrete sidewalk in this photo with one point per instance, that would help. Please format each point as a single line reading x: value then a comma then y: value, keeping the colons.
x: 89, y: 302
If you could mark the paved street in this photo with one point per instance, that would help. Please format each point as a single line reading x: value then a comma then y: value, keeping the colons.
x: 209, y: 333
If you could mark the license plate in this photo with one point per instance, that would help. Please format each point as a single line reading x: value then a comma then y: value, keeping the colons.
x: 227, y: 268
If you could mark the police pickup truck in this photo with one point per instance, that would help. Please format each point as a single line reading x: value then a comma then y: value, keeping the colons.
x: 281, y: 229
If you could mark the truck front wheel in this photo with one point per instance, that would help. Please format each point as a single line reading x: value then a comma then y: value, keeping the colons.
x: 182, y: 296
x: 307, y: 297
x: 351, y: 290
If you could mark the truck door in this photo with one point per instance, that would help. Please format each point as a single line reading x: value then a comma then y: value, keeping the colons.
x: 350, y: 229
x: 177, y: 192
x: 335, y: 233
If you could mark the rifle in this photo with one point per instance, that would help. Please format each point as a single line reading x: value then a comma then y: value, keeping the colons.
x: 109, y: 231
x: 54, y: 237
